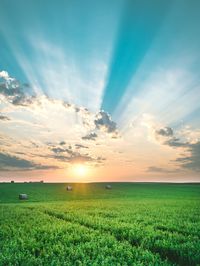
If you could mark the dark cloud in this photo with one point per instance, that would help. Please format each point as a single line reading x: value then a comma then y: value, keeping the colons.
x: 45, y: 167
x: 60, y: 154
x: 20, y: 153
x: 156, y: 169
x: 62, y: 150
x: 58, y: 150
x: 79, y: 158
x: 191, y: 161
x: 4, y: 117
x: 23, y: 100
x: 79, y: 146
x: 50, y: 144
x: 60, y: 157
x: 34, y: 144
x: 74, y: 156
x: 176, y: 142
x: 16, y: 92
x: 10, y: 162
x: 90, y: 136
x: 7, y: 160
x: 168, y: 137
x: 166, y: 131
x: 100, y: 160
x: 103, y: 122
x: 77, y: 109
x: 67, y: 105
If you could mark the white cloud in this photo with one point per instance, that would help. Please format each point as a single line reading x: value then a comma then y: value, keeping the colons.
x: 41, y: 120
x: 4, y: 75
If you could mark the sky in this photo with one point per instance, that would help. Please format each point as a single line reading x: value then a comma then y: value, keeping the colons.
x: 95, y: 91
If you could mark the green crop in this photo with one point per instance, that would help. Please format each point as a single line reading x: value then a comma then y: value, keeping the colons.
x: 132, y: 224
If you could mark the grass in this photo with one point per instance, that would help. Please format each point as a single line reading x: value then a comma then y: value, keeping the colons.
x: 131, y: 224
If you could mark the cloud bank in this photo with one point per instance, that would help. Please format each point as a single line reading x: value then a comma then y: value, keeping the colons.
x: 47, y: 128
x: 190, y: 161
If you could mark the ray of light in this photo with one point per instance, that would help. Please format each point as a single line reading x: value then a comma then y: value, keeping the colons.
x: 64, y: 61
x: 136, y: 33
x: 169, y: 89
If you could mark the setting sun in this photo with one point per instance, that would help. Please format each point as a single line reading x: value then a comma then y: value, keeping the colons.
x: 80, y: 170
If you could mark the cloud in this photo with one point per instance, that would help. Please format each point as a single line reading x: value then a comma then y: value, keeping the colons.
x: 71, y: 155
x: 76, y: 157
x: 79, y: 146
x: 14, y: 91
x: 191, y: 161
x: 166, y: 131
x: 60, y: 157
x: 4, y: 117
x: 166, y: 136
x: 20, y: 94
x: 4, y: 75
x: 156, y: 169
x: 62, y: 150
x: 104, y: 122
x: 9, y: 162
x: 176, y: 142
x: 90, y: 136
x: 79, y: 158
x: 41, y: 127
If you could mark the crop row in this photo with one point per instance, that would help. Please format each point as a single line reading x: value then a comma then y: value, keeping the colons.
x: 160, y: 235
x: 31, y: 237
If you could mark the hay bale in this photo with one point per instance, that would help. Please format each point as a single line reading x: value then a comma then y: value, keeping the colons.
x: 108, y: 187
x: 69, y: 188
x: 23, y: 196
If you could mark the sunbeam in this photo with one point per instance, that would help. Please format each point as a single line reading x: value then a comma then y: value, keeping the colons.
x: 135, y: 36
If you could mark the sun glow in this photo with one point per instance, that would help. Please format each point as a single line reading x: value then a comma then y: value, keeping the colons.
x: 80, y: 170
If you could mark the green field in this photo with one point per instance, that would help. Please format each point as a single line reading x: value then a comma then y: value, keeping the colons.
x: 131, y: 224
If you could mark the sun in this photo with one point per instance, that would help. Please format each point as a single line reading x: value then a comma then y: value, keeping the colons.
x: 80, y: 170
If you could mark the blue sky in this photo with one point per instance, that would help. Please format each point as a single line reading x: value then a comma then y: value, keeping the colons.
x: 138, y: 61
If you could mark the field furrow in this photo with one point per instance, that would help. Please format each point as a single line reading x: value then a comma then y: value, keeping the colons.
x: 104, y: 233
x: 171, y: 246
